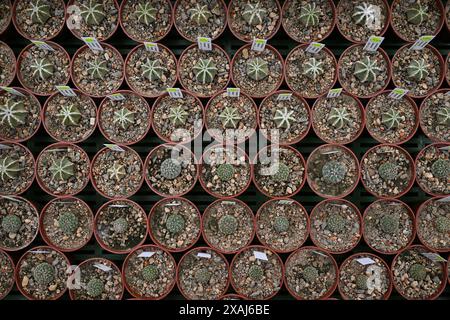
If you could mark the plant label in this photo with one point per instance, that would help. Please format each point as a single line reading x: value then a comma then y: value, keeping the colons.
x: 398, y: 93
x: 259, y: 44
x: 334, y: 93
x: 116, y: 97
x: 365, y: 261
x: 447, y: 148
x: 146, y: 254
x: 151, y: 46
x: 421, y: 43
x: 42, y: 45
x: 230, y: 203
x: 66, y: 91
x: 314, y: 47
x: 102, y: 267
x: 204, y: 255
x: 13, y: 91
x: 92, y: 121
x: 284, y: 96
x: 233, y: 92
x: 319, y: 253
x: 433, y: 256
x: 285, y: 201
x: 4, y: 147
x: 92, y: 43
x: 114, y: 147
x: 260, y: 255
x: 204, y: 43
x: 11, y: 198
x: 175, y: 93
x: 373, y: 43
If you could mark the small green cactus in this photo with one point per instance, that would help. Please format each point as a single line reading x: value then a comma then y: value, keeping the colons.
x: 153, y: 70
x: 312, y: 68
x: 417, y: 70
x: 200, y: 14
x: 282, y: 173
x: 13, y: 113
x: 39, y: 11
x: 95, y: 287
x: 364, y: 14
x: 42, y: 68
x: 124, y: 118
x: 442, y: 116
x: 335, y: 223
x: 389, y: 224
x: 443, y: 224
x: 120, y: 225
x: 339, y: 117
x: 44, y: 273
x: 388, y: 171
x: 225, y: 171
x: 145, y: 13
x: 150, y: 273
x: 117, y: 171
x: 202, y: 276
x: 175, y: 223
x: 366, y: 70
x: 256, y: 273
x: 93, y: 13
x: 228, y: 224
x: 334, y: 172
x: 68, y: 223
x: 69, y: 115
x: 170, y: 168
x: 9, y: 168
x: 392, y: 118
x: 230, y: 117
x: 97, y: 69
x: 418, y: 272
x: 441, y: 169
x: 254, y: 13
x: 417, y: 14
x: 205, y: 70
x: 257, y: 69
x: 281, y: 224
x: 309, y: 15
x: 62, y: 169
x: 283, y: 118
x: 178, y: 116
x: 11, y: 223
x: 310, y: 274
x: 361, y: 281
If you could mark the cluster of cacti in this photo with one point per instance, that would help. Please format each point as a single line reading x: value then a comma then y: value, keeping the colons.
x: 442, y: 116
x: 361, y: 281
x: 282, y: 173
x: 392, y: 118
x: 70, y: 115
x: 178, y: 116
x: 153, y: 70
x: 366, y: 70
x: 124, y: 118
x: 364, y: 14
x: 205, y: 70
x: 334, y: 172
x: 254, y: 13
x: 417, y: 13
x: 145, y: 13
x: 95, y: 287
x: 281, y: 224
x: 11, y: 223
x: 39, y: 11
x: 230, y: 117
x: 418, y: 272
x: 310, y: 274
x: 335, y: 223
x: 97, y: 69
x: 9, y: 168
x: 117, y: 171
x: 42, y: 68
x: 257, y: 68
x: 200, y: 14
x: 150, y: 273
x: 283, y: 118
x: 417, y: 69
x: 43, y: 273
x: 120, y: 225
x: 170, y: 168
x: 388, y: 171
x: 443, y: 224
x: 441, y: 168
x: 93, y: 13
x: 228, y: 224
x: 309, y: 15
x: 202, y: 275
x: 225, y: 171
x: 62, y: 169
x: 312, y: 68
x: 256, y: 273
x: 389, y: 223
x: 68, y: 223
x: 339, y: 117
x: 13, y: 113
x: 175, y: 223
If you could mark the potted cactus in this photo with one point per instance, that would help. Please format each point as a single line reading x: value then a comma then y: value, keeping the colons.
x: 39, y: 19
x: 202, y: 274
x: 117, y: 174
x: 364, y: 73
x: 5, y: 14
x: 257, y: 73
x: 66, y: 223
x: 171, y: 170
x: 387, y: 171
x: 7, y: 64
x: 204, y: 73
x: 256, y: 272
x: 231, y: 119
x: 311, y: 274
x: 433, y: 224
x: 228, y: 225
x: 124, y: 121
x: 285, y: 121
x: 146, y: 20
x: 335, y: 225
x: 93, y: 18
x: 150, y: 73
x: 40, y: 70
x: 120, y: 226
x: 62, y: 169
x: 433, y: 169
x: 357, y: 20
x: 17, y: 168
x: 364, y: 276
x: 41, y: 274
x: 435, y: 116
x: 19, y: 223
x: 391, y: 120
x: 201, y: 18
x: 310, y: 74
x: 419, y: 71
x: 6, y: 274
x: 252, y: 19
x: 339, y: 119
x: 388, y: 226
x: 177, y: 120
x: 225, y: 171
x: 19, y: 115
x: 417, y: 277
x: 100, y: 279
x: 412, y: 19
x: 69, y: 119
x: 282, y: 225
x: 175, y: 224
x: 149, y: 272
x: 332, y: 171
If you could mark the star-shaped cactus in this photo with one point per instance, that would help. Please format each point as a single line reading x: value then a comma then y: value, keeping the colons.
x: 312, y: 68
x: 124, y: 118
x: 392, y: 118
x: 42, y: 68
x: 178, y: 116
x: 339, y: 117
x: 93, y: 13
x: 257, y: 69
x: 117, y: 171
x: 417, y: 13
x: 69, y: 115
x: 62, y: 169
x: 254, y: 13
x: 283, y: 118
x: 153, y: 70
x: 366, y: 70
x: 205, y: 70
x: 364, y: 14
x: 145, y: 13
x: 39, y: 11
x: 230, y: 117
x: 9, y: 168
x: 417, y: 70
x: 97, y: 69
x: 309, y: 15
x: 443, y: 116
x: 200, y: 14
x: 13, y: 113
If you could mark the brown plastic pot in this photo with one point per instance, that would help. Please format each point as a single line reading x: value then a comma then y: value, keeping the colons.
x: 13, y: 267
x: 422, y: 106
x: 232, y: 296
x: 8, y: 19
x: 14, y: 62
x: 447, y: 21
x: 447, y: 67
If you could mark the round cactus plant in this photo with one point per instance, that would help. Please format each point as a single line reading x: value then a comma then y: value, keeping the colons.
x: 42, y: 68
x: 62, y: 169
x: 417, y: 14
x: 364, y: 14
x: 12, y: 113
x: 9, y: 168
x: 418, y: 272
x: 366, y: 70
x: 93, y: 12
x: 200, y: 14
x: 418, y: 69
x: 146, y: 13
x: 175, y: 223
x: 254, y: 13
x: 68, y: 223
x: 178, y: 115
x: 69, y: 115
x: 225, y: 171
x: 228, y: 224
x: 39, y: 11
x: 95, y: 287
x: 283, y: 118
x: 312, y: 68
x: 230, y: 117
x: 205, y: 70
x: 309, y: 15
x: 97, y: 69
x: 170, y: 168
x: 120, y: 225
x: 281, y: 224
x: 310, y: 274
x: 389, y: 224
x: 361, y: 281
x: 44, y: 273
x: 335, y: 223
x: 117, y: 171
x: 441, y: 168
x: 124, y: 118
x: 392, y: 118
x: 282, y: 173
x: 443, y: 224
x: 442, y: 116
x: 339, y: 117
x: 150, y: 273
x: 257, y: 68
x: 11, y: 223
x: 256, y: 273
x: 152, y: 70
x: 202, y: 275
x: 388, y: 171
x: 334, y: 172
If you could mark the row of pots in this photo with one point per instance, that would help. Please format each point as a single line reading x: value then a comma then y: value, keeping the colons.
x: 303, y: 22
x: 256, y: 272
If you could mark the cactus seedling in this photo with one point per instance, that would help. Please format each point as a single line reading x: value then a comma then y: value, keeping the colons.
x: 392, y: 118
x: 283, y: 118
x: 442, y: 115
x: 205, y: 70
x: 13, y: 113
x: 389, y: 224
x: 334, y: 172
x: 150, y: 273
x: 93, y: 13
x: 312, y: 68
x: 145, y: 13
x: 202, y: 275
x: 230, y: 117
x: 11, y: 223
x: 417, y: 70
x: 441, y: 168
x: 366, y: 70
x: 44, y: 273
x: 42, y: 68
x: 170, y: 168
x: 442, y: 224
x: 39, y: 11
x: 120, y: 225
x: 69, y: 114
x: 364, y: 14
x: 68, y: 223
x: 418, y: 272
x: 228, y: 224
x: 9, y: 168
x: 339, y: 117
x: 310, y: 274
x: 200, y: 14
x: 417, y: 14
x: 282, y: 173
x: 62, y: 169
x: 335, y: 223
x: 97, y: 69
x: 388, y: 171
x: 117, y: 171
x: 95, y: 287
x: 257, y: 69
x: 178, y: 116
x: 281, y: 224
x: 309, y: 15
x: 153, y: 70
x: 124, y: 117
x: 175, y: 223
x: 256, y: 273
x: 225, y: 171
x: 361, y: 281
x: 254, y: 14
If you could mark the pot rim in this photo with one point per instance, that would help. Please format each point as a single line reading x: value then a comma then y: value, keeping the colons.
x: 14, y: 62
x: 11, y: 261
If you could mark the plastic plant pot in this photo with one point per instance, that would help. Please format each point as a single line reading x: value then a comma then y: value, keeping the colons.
x: 120, y: 226
x: 420, y: 269
x: 388, y: 226
x: 116, y: 164
x: 177, y: 120
x: 15, y: 131
x: 124, y: 122
x: 228, y: 225
x: 433, y: 119
x: 280, y: 174
x: 48, y: 268
x: 190, y: 29
x: 149, y: 273
x: 205, y: 267
x: 62, y: 169
x: 260, y: 267
x: 232, y: 296
x: 62, y: 117
x: 306, y: 280
x: 364, y: 276
x: 138, y: 29
x: 447, y: 68
x: 18, y: 168
x: 391, y: 120
x: 287, y: 121
x: 433, y: 169
x: 6, y: 275
x: 7, y: 64
x: 100, y: 279
x: 282, y: 225
x: 5, y: 18
x: 175, y: 224
x: 43, y: 83
x: 62, y: 227
x: 171, y: 170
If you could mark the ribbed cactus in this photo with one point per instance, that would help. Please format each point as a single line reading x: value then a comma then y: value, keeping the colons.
x: 13, y: 113
x: 254, y: 13
x: 93, y: 13
x: 97, y: 69
x: 228, y: 224
x: 283, y: 118
x: 309, y: 15
x: 9, y: 168
x: 124, y: 118
x: 175, y: 223
x: 42, y: 68
x: 335, y: 223
x: 334, y: 172
x: 418, y: 272
x: 153, y: 70
x: 230, y: 117
x: 145, y: 13
x: 392, y: 118
x: 11, y: 223
x: 389, y: 224
x: 200, y: 14
x: 339, y: 117
x: 69, y: 115
x: 68, y: 223
x: 310, y: 274
x: 95, y: 287
x: 39, y: 11
x: 120, y: 225
x: 62, y: 169
x: 366, y: 70
x: 205, y: 70
x: 178, y: 115
x: 283, y: 172
x: 443, y: 224
x: 117, y: 171
x: 388, y: 171
x: 442, y: 116
x: 256, y: 273
x: 441, y: 169
x: 364, y: 14
x: 202, y: 276
x: 150, y: 273
x: 281, y: 224
x: 170, y: 168
x: 312, y: 68
x: 361, y: 281
x: 257, y: 68
x: 417, y: 13
x: 417, y: 69
x: 44, y: 273
x: 225, y: 171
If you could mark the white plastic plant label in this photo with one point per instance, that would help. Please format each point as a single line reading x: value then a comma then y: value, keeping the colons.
x: 146, y: 254
x: 284, y: 96
x: 92, y: 121
x: 42, y: 45
x: 373, y: 43
x: 13, y: 91
x: 11, y: 198
x: 445, y: 199
x: 259, y: 44
x: 151, y: 46
x: 260, y: 255
x: 66, y: 91
x: 285, y: 201
x: 92, y: 43
x: 102, y: 267
x: 398, y: 93
x: 435, y: 257
x: 204, y: 43
x: 4, y: 147
x: 175, y: 93
x: 314, y: 47
x: 421, y: 43
x: 446, y: 148
x: 116, y: 97
x: 365, y: 261
x: 114, y: 147
x: 334, y: 93
x: 204, y: 255
x: 233, y: 92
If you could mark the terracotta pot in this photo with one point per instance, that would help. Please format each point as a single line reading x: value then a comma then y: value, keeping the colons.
x: 421, y: 108
x: 2, y: 30
x: 11, y: 262
x: 14, y: 63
